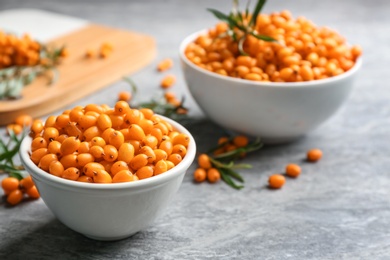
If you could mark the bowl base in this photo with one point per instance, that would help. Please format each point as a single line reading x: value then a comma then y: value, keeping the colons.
x: 109, y: 238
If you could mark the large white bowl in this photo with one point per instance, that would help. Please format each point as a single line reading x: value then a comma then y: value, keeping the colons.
x: 277, y: 112
x: 108, y: 211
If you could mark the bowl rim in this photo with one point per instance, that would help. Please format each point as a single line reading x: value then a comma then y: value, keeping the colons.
x: 303, y: 84
x: 176, y: 171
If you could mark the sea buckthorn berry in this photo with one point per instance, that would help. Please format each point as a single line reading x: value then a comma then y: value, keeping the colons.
x: 15, y: 197
x: 10, y: 183
x: 164, y: 129
x: 170, y: 165
x: 165, y: 64
x: 124, y: 176
x: 86, y: 121
x: 26, y: 182
x: 75, y: 114
x: 99, y: 141
x: 147, y: 125
x: 50, y: 121
x: 37, y: 126
x: 136, y: 132
x: 168, y: 81
x: 106, y: 134
x: 110, y: 153
x: 56, y: 168
x: 126, y: 152
x: 148, y: 151
x: 150, y: 141
x: 50, y: 134
x: 24, y: 120
x: 90, y: 168
x: 175, y: 158
x: 69, y: 160
x: 38, y: 154
x: 293, y: 170
x: 84, y: 158
x: 200, y: 175
x: 116, y: 139
x: 33, y: 192
x: 90, y: 133
x: 160, y: 167
x: 167, y: 146
x: 85, y: 178
x: 240, y: 141
x: 276, y: 181
x: 97, y: 151
x: 122, y: 107
x: 102, y: 176
x: 133, y: 116
x: 314, y: 155
x: 54, y: 147
x: 179, y: 149
x: 148, y: 113
x: 104, y: 122
x: 84, y: 147
x: 213, y: 175
x: 118, y: 166
x: 62, y: 120
x: 160, y: 154
x: 71, y: 173
x: 117, y: 120
x: 70, y: 145
x: 156, y: 132
x: 124, y: 96
x: 204, y: 161
x: 223, y: 140
x: 144, y: 172
x: 73, y: 130
x: 38, y: 142
x: 182, y: 139
x: 139, y: 161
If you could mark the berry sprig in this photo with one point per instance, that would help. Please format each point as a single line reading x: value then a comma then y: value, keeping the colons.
x: 219, y: 162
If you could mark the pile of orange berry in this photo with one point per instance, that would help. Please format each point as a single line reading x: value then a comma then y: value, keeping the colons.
x: 104, y: 51
x: 99, y: 144
x: 302, y: 51
x: 19, y: 51
x: 15, y: 189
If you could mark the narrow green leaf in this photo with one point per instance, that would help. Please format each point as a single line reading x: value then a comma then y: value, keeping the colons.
x: 259, y: 6
x: 233, y: 174
x: 221, y: 16
x: 263, y: 37
x: 132, y: 84
x: 16, y: 175
x: 229, y: 181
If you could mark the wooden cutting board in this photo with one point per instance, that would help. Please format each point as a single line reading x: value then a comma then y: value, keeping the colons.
x: 80, y: 76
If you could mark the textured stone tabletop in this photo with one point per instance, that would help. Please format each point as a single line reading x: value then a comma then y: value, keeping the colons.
x: 337, y: 209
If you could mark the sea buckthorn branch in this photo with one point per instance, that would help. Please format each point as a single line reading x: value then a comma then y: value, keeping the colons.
x: 7, y: 153
x: 220, y: 161
x: 236, y: 21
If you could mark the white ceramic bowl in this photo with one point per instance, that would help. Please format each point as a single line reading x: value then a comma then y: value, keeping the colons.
x: 277, y: 112
x: 108, y: 211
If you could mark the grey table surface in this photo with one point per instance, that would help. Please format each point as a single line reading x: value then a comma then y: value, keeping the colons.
x: 337, y: 209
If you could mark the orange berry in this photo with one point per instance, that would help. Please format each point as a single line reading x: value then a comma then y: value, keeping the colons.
x: 24, y: 120
x: 10, y: 183
x: 165, y: 64
x: 124, y: 96
x: 144, y: 172
x: 26, y: 183
x: 314, y: 155
x: 204, y: 161
x: 276, y: 181
x: 168, y: 81
x: 200, y: 175
x: 240, y: 141
x: 15, y: 197
x: 293, y: 170
x: 213, y: 175
x: 33, y: 192
x: 124, y: 176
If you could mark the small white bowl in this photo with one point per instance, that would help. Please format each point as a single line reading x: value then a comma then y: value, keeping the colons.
x: 276, y: 112
x: 108, y: 211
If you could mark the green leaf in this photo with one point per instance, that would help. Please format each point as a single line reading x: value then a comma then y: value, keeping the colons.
x: 259, y: 6
x: 233, y: 174
x: 226, y: 178
x: 16, y: 175
x: 221, y: 16
x: 263, y: 37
